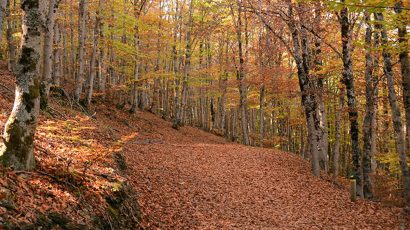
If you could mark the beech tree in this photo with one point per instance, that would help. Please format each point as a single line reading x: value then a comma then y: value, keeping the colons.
x: 48, y: 54
x: 18, y: 146
x: 347, y: 25
x: 79, y: 79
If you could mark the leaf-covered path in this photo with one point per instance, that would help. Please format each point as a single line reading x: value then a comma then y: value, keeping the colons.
x: 189, y: 179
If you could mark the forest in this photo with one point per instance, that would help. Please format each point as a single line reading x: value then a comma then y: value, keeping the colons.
x: 204, y: 114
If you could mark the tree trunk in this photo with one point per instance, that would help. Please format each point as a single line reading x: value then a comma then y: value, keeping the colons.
x: 346, y: 32
x: 261, y: 114
x: 102, y: 74
x: 320, y: 92
x: 187, y: 65
x: 240, y: 76
x: 136, y: 64
x: 3, y: 14
x: 368, y: 132
x: 10, y: 40
x: 17, y: 149
x: 58, y: 55
x: 81, y: 50
x: 73, y: 67
x: 93, y: 66
x: 176, y: 119
x: 336, y: 153
x: 308, y: 101
x: 48, y: 54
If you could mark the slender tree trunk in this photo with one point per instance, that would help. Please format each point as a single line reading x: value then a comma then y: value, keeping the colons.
x: 261, y: 114
x: 187, y: 65
x: 308, y: 101
x: 102, y: 74
x: 3, y: 14
x: 110, y: 79
x: 58, y: 55
x: 93, y: 66
x: 10, y: 40
x: 79, y: 80
x: 176, y: 119
x: 73, y: 67
x: 368, y: 132
x: 396, y: 114
x: 136, y: 63
x: 322, y: 129
x: 336, y: 153
x: 240, y: 76
x: 224, y: 123
x: 18, y: 146
x: 48, y: 53
x: 348, y: 80
x: 158, y: 90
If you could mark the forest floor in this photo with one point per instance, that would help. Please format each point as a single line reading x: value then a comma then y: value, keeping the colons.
x: 114, y: 170
x: 190, y: 179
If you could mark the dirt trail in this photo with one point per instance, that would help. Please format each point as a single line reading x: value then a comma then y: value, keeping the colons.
x: 189, y: 179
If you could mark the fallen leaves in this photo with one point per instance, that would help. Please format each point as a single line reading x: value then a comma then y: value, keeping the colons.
x: 194, y: 180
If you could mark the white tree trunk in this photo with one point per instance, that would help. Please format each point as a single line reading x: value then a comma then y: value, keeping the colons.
x: 48, y: 53
x: 17, y: 149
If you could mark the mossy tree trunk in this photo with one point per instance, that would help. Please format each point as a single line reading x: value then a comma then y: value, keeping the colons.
x: 17, y: 149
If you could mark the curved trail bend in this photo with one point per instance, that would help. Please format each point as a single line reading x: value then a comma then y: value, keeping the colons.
x: 190, y: 179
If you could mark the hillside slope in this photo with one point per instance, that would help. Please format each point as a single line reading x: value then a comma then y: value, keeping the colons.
x: 185, y: 179
x: 189, y: 179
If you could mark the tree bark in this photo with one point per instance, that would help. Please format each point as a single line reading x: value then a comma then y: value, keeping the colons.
x: 308, y: 101
x: 48, y: 54
x: 348, y: 81
x: 58, y: 55
x: 134, y: 106
x: 102, y: 74
x: 79, y: 80
x: 261, y: 114
x: 336, y: 153
x: 175, y: 65
x: 93, y: 70
x: 322, y: 129
x: 3, y: 14
x: 240, y: 76
x: 10, y: 40
x: 187, y: 65
x: 17, y: 149
x: 368, y: 132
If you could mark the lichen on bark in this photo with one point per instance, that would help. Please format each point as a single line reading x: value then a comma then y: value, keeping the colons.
x: 17, y: 149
